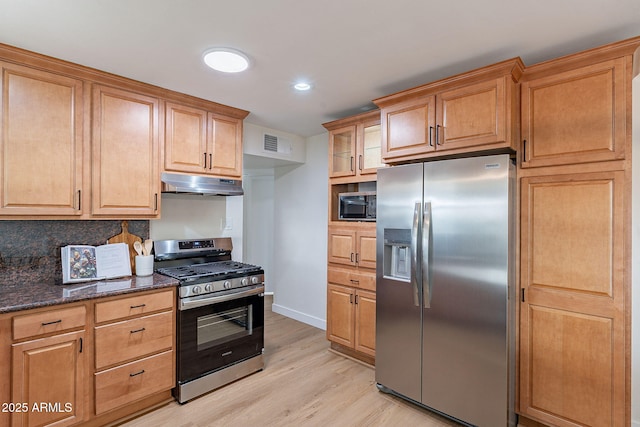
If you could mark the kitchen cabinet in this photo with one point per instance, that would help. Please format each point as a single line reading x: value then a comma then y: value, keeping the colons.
x: 351, y: 314
x: 134, y: 349
x: 79, y: 143
x: 354, y: 158
x: 203, y: 142
x: 575, y: 116
x: 88, y: 363
x: 41, y: 143
x: 475, y: 111
x: 355, y: 146
x: 126, y: 149
x: 49, y: 369
x: 351, y: 318
x: 353, y: 245
x: 575, y: 187
x: 572, y: 320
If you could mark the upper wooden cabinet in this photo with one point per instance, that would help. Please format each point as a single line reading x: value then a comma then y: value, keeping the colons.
x: 126, y: 176
x: 41, y: 142
x: 355, y: 146
x: 80, y: 143
x: 475, y: 111
x: 575, y: 116
x: 203, y: 142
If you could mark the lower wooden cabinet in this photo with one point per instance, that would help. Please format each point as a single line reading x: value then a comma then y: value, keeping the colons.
x: 129, y: 382
x: 48, y: 381
x: 134, y: 349
x: 88, y: 363
x: 572, y: 316
x: 351, y: 318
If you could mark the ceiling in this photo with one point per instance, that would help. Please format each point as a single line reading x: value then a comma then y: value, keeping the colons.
x: 352, y: 51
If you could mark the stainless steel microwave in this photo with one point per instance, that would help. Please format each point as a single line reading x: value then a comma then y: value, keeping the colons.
x: 360, y: 206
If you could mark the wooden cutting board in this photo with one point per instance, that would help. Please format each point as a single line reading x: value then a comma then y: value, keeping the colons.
x: 129, y: 239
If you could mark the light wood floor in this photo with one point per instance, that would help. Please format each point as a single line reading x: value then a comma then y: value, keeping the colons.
x: 302, y: 384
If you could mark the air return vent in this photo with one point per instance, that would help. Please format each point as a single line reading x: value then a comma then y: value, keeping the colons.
x: 270, y: 143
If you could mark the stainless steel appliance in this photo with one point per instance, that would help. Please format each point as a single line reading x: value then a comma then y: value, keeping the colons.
x: 445, y: 287
x: 357, y: 206
x: 220, y: 321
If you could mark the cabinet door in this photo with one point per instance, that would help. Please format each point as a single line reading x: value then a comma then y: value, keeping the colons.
x: 342, y: 245
x: 126, y: 178
x: 408, y: 128
x: 572, y: 323
x: 185, y: 138
x: 340, y: 315
x: 472, y: 115
x: 365, y: 322
x: 40, y: 142
x: 370, y: 148
x: 576, y: 116
x: 225, y: 146
x: 49, y: 375
x: 366, y: 248
x: 342, y: 152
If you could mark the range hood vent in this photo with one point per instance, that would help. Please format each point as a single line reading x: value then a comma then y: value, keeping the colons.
x: 195, y: 184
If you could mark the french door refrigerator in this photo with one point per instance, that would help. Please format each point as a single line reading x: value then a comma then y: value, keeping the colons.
x: 445, y: 287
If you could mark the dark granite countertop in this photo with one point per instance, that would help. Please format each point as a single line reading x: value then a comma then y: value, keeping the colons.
x: 20, y: 295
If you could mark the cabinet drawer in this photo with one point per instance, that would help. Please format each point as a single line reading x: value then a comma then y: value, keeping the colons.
x: 352, y: 278
x: 31, y: 325
x: 133, y: 306
x: 124, y: 384
x: 122, y: 341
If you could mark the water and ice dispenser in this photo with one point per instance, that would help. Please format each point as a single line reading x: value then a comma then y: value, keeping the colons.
x: 397, y: 254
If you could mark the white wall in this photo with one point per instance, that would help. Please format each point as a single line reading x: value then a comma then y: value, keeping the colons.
x: 300, y: 236
x: 258, y: 221
x: 190, y: 216
x: 292, y: 146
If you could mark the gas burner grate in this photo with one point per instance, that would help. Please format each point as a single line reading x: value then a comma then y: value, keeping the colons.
x: 217, y: 268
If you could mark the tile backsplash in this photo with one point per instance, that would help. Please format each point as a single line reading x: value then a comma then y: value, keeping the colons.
x: 30, y: 250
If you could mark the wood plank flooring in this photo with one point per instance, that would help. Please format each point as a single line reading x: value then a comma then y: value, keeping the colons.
x: 302, y: 384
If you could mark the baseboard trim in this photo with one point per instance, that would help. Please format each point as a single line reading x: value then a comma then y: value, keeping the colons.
x: 299, y: 316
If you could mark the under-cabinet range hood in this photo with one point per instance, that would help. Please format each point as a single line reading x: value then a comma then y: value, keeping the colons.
x: 194, y: 184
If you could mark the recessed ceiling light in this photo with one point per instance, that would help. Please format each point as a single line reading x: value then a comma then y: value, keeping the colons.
x: 226, y: 60
x: 302, y: 86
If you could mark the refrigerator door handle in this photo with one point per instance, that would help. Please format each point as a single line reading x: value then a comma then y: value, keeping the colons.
x: 426, y: 246
x: 414, y: 252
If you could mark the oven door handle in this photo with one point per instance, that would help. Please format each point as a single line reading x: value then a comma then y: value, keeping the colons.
x: 199, y: 301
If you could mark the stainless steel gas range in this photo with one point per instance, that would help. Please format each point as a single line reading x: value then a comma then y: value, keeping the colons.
x: 220, y: 336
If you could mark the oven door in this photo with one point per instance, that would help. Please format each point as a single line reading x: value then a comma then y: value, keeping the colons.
x: 220, y: 333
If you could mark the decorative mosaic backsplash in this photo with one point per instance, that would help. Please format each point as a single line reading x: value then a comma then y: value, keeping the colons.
x: 30, y: 250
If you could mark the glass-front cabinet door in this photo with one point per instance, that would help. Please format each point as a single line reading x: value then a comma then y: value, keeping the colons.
x: 370, y: 157
x: 342, y: 147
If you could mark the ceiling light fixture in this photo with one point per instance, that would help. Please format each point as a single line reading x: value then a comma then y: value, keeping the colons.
x: 226, y: 60
x: 302, y: 86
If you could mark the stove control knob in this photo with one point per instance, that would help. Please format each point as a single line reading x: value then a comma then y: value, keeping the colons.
x: 227, y: 284
x: 208, y: 287
x: 195, y: 290
x: 254, y: 280
x: 245, y: 281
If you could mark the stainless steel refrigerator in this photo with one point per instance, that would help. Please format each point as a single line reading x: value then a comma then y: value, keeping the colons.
x: 445, y: 282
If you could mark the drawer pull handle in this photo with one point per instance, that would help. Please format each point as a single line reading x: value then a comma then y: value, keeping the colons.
x: 138, y: 306
x: 137, y: 330
x: 52, y: 323
x: 355, y: 281
x: 135, y: 374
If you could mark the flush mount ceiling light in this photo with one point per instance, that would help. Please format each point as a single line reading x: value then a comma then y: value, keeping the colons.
x: 302, y: 86
x: 226, y: 60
